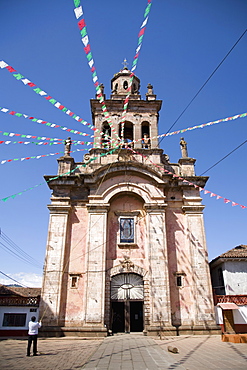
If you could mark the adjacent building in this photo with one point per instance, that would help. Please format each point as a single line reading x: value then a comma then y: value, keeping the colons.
x: 17, y: 306
x: 126, y: 248
x: 229, y: 281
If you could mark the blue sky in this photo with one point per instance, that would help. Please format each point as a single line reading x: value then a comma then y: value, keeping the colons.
x: 183, y: 43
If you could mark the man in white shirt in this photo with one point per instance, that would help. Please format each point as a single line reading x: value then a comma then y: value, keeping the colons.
x: 33, y: 329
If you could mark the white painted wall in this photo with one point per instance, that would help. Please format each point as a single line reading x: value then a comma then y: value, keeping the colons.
x: 239, y: 316
x: 235, y: 277
x: 11, y: 309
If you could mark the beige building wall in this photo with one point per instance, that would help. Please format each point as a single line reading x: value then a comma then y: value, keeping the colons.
x: 85, y: 254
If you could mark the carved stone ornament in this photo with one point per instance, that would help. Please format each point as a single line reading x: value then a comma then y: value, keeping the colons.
x: 86, y: 157
x: 165, y: 158
x: 125, y: 155
x: 127, y: 264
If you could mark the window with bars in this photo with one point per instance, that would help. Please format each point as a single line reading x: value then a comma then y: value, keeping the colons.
x: 14, y: 319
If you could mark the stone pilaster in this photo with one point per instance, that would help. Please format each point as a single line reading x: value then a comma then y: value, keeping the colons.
x: 187, y: 166
x: 95, y: 286
x: 154, y: 129
x: 202, y: 314
x: 158, y: 268
x: 65, y: 164
x: 54, y: 264
x: 138, y: 131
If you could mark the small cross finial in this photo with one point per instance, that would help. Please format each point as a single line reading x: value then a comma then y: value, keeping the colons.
x: 125, y: 63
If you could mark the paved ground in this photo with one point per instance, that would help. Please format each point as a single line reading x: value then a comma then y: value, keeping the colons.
x: 126, y: 351
x: 61, y: 353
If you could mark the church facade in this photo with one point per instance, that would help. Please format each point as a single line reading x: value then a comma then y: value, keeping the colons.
x: 126, y: 248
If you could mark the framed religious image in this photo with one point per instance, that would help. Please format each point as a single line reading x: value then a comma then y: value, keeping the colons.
x: 127, y: 232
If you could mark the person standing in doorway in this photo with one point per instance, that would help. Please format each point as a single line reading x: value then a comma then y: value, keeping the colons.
x: 33, y: 329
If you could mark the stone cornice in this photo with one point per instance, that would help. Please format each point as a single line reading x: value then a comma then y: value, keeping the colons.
x: 127, y: 213
x: 110, y: 170
x: 137, y: 106
x: 186, y: 160
x: 193, y: 209
x: 59, y: 208
x: 155, y: 207
x: 98, y: 207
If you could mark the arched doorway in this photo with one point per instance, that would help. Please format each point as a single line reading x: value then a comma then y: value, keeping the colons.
x: 127, y: 297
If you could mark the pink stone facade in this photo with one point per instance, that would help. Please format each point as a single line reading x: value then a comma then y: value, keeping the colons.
x: 126, y: 248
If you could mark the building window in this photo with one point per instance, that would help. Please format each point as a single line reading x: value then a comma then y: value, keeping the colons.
x: 127, y: 230
x: 74, y: 279
x: 74, y: 282
x: 220, y: 277
x: 106, y: 136
x: 125, y: 85
x: 14, y: 319
x: 179, y: 276
x: 179, y: 281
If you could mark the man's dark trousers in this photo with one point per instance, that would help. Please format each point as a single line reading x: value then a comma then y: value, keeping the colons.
x: 32, y: 338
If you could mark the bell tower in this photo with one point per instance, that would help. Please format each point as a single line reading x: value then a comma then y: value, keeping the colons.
x: 141, y: 120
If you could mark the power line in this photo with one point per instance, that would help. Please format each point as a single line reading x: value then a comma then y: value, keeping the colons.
x: 205, y: 83
x: 15, y: 254
x: 16, y: 251
x: 223, y: 158
x: 13, y: 279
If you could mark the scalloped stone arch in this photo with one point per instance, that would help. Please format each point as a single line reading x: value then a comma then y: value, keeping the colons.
x: 124, y: 188
x: 134, y: 270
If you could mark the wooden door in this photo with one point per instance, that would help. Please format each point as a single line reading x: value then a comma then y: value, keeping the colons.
x: 228, y: 321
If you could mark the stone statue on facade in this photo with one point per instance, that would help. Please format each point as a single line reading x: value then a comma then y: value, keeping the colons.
x: 183, y: 146
x: 67, y: 147
x: 146, y: 141
x: 102, y: 87
x: 150, y: 89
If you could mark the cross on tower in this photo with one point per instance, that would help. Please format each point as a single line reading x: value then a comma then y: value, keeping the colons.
x: 125, y: 63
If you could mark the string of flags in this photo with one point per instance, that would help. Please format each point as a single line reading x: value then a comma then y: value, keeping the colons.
x: 134, y: 64
x: 242, y: 115
x: 141, y: 34
x: 178, y: 177
x: 18, y: 76
x: 51, y: 141
x: 8, y: 142
x: 12, y: 134
x: 49, y: 124
x: 87, y: 49
x: 13, y: 196
x: 37, y: 156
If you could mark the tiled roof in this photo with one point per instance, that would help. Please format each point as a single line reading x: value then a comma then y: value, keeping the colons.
x: 238, y: 252
x: 19, y: 291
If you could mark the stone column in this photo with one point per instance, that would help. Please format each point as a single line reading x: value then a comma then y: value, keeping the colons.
x: 137, y: 131
x: 96, y: 265
x: 154, y: 130
x: 51, y: 296
x: 159, y: 278
x: 97, y: 124
x: 202, y: 314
